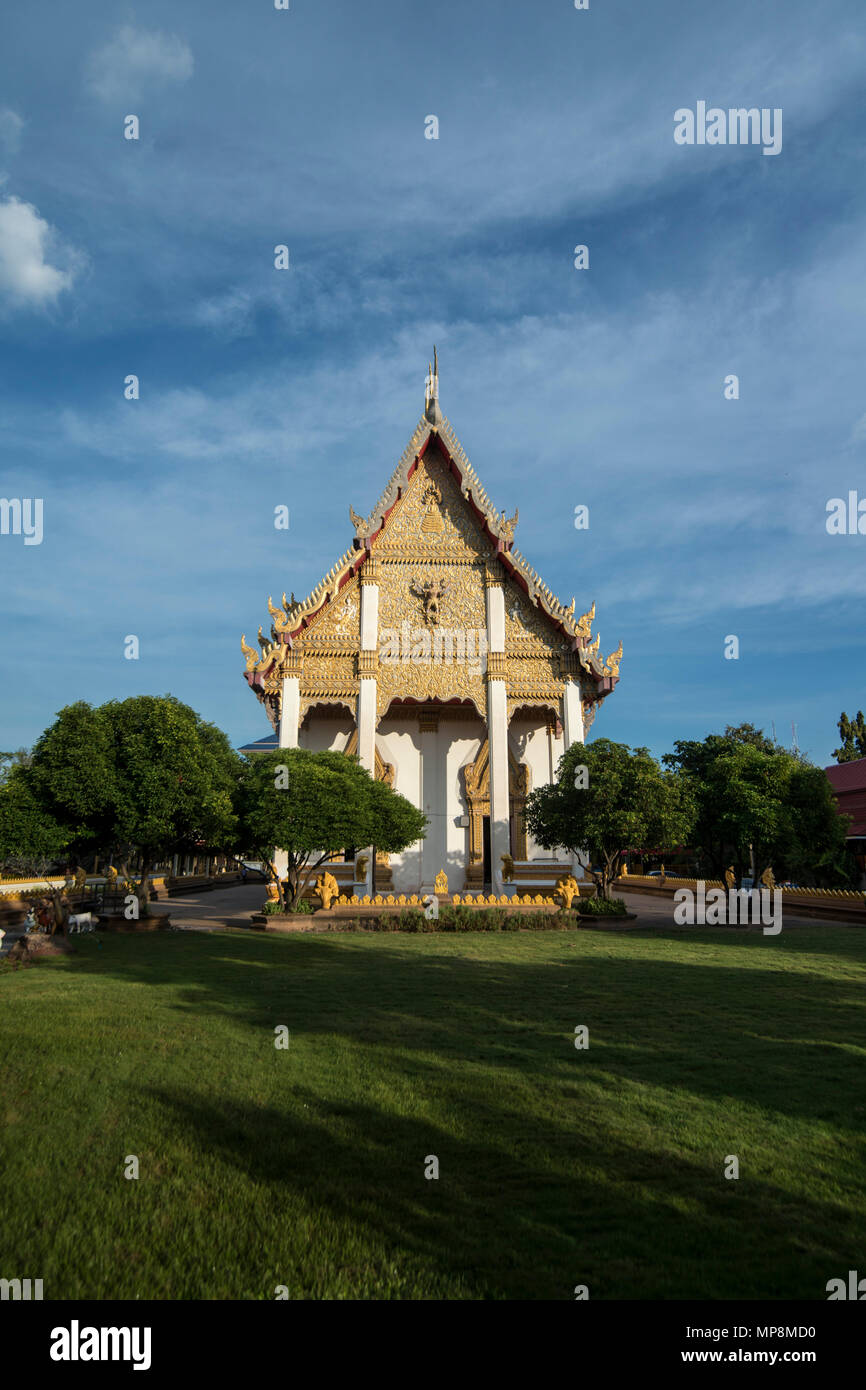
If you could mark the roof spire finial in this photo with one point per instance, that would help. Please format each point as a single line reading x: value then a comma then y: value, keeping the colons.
x: 431, y: 391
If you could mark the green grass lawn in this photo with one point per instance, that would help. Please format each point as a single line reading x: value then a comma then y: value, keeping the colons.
x: 305, y: 1167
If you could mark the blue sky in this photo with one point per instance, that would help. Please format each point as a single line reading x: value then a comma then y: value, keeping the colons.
x: 602, y: 387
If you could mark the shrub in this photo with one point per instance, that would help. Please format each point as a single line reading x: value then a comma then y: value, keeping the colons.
x: 601, y: 907
x: 459, y: 919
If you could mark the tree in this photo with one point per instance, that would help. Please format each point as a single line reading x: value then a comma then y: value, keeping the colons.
x: 9, y: 761
x: 760, y: 805
x: 313, y: 805
x: 144, y: 774
x: 30, y: 838
x: 608, y: 797
x: 853, y: 735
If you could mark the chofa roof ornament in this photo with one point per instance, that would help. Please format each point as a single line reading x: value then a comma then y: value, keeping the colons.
x: 432, y: 412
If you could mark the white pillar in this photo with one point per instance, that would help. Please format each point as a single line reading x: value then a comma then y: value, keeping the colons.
x: 369, y: 611
x: 497, y: 728
x: 572, y: 714
x: 572, y: 726
x: 290, y: 712
x: 367, y: 724
x: 497, y: 731
x: 433, y: 851
x: 368, y: 687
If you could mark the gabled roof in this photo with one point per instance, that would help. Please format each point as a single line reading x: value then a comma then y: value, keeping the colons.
x: 290, y: 620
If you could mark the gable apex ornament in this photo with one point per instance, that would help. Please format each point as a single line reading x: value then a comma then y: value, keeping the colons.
x: 432, y: 412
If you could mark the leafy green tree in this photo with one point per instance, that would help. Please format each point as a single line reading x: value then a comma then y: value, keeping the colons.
x: 145, y: 774
x: 313, y: 805
x: 9, y: 761
x: 31, y: 840
x: 623, y: 799
x: 853, y: 735
x: 760, y: 805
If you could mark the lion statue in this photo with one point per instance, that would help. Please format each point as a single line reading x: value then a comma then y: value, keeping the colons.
x: 507, y: 868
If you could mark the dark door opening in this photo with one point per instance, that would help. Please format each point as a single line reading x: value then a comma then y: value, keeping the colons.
x: 485, y: 837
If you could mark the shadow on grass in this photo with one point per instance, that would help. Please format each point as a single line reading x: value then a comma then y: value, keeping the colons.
x: 557, y: 1167
x: 588, y: 1208
x: 786, y: 1040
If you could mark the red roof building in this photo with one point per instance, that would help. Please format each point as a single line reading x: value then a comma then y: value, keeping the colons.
x: 848, y: 781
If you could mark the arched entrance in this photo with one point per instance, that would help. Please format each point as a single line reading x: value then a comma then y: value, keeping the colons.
x: 476, y: 778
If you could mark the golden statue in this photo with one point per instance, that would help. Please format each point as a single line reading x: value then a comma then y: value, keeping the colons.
x: 361, y: 867
x: 80, y: 880
x: 768, y: 878
x: 567, y: 889
x: 327, y: 889
x: 611, y: 666
x: 110, y: 876
x: 432, y: 588
x: 507, y: 525
x: 507, y: 868
x: 584, y: 624
x: 441, y: 883
x: 249, y: 652
x: 730, y: 877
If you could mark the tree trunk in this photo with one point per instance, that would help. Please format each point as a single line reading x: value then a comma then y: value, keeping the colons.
x: 144, y: 886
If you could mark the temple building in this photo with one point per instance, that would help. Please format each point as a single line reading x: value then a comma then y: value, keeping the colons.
x: 434, y: 652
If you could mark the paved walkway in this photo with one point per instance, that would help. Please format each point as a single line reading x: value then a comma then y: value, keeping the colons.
x: 224, y: 906
x: 655, y: 911
x: 213, y: 909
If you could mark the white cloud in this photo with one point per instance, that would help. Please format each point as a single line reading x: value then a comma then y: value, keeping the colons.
x: 858, y: 433
x: 26, y: 239
x: 134, y: 58
x: 230, y: 315
x: 11, y: 126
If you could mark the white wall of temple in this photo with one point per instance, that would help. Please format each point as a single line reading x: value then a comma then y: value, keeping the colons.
x: 326, y: 735
x: 399, y: 742
x: 428, y: 772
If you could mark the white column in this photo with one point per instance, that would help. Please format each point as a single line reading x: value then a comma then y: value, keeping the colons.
x: 290, y: 712
x: 368, y: 689
x: 572, y: 714
x: 497, y: 729
x: 290, y: 708
x: 433, y: 856
x: 369, y: 612
x: 572, y: 726
x: 367, y: 724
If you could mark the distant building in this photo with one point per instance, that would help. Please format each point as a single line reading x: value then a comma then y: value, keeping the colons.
x: 435, y: 652
x: 848, y: 781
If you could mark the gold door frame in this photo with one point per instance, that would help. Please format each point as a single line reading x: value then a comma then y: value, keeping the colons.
x: 476, y: 777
